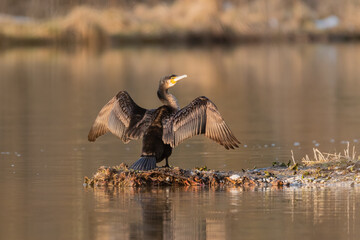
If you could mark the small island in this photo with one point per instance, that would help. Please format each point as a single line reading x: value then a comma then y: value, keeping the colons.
x: 323, y: 169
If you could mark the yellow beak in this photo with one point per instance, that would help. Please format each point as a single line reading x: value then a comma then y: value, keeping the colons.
x: 178, y: 78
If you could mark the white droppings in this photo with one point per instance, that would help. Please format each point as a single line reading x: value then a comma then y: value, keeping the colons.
x: 355, y: 140
x: 265, y: 146
x: 317, y: 144
x: 245, y: 145
x: 12, y: 165
x: 296, y: 144
x: 273, y: 145
x: 332, y: 140
x: 234, y: 177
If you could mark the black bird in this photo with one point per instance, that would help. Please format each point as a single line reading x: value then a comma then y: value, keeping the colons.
x: 163, y: 128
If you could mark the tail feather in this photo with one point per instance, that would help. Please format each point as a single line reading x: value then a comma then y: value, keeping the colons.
x: 144, y: 163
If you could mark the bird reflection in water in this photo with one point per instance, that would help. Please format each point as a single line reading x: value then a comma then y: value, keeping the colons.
x: 149, y: 214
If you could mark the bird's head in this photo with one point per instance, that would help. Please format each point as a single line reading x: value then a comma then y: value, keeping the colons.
x: 169, y: 81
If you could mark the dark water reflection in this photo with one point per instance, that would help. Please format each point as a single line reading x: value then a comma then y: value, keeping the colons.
x: 258, y: 213
x: 274, y: 97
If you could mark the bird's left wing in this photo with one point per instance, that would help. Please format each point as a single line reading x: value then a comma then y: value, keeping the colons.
x: 199, y: 117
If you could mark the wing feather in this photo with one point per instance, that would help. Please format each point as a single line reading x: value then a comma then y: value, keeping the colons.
x: 123, y: 118
x: 201, y: 116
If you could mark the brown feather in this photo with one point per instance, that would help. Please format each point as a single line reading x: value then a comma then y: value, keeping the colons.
x: 123, y: 118
x: 199, y: 117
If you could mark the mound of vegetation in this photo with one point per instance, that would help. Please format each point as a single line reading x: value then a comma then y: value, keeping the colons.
x: 322, y: 169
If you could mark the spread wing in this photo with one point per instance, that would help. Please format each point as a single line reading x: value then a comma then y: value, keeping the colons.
x: 199, y: 117
x: 123, y: 118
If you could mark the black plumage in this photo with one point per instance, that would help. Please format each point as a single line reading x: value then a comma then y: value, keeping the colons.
x: 163, y: 128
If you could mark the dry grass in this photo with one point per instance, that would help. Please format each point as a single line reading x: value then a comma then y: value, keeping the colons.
x: 186, y: 20
x: 349, y: 155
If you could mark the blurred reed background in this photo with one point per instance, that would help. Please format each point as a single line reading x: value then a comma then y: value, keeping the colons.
x: 97, y: 23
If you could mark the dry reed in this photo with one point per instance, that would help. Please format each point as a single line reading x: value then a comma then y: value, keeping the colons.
x: 321, y: 157
x: 188, y: 20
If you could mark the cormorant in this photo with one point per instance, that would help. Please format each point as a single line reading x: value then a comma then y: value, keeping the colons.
x: 163, y: 128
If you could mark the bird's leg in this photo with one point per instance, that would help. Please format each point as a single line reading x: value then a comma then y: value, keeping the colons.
x: 167, y: 163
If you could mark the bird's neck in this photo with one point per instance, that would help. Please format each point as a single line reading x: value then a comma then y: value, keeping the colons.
x: 167, y: 99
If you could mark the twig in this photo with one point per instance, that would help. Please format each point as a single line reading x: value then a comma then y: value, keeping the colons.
x: 292, y: 157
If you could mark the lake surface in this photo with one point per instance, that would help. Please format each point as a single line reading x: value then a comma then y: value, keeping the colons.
x: 275, y: 98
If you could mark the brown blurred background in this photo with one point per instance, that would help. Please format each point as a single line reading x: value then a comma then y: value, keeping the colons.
x: 100, y: 22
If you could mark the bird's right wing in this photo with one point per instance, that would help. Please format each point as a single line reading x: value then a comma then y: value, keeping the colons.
x: 199, y: 117
x: 123, y: 118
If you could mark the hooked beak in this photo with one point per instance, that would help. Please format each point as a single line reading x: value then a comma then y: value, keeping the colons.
x: 178, y: 78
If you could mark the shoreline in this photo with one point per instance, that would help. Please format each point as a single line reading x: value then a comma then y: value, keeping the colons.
x: 206, y: 23
x: 172, y: 40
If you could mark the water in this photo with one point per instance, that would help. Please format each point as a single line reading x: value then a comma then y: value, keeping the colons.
x: 226, y: 214
x: 275, y: 98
